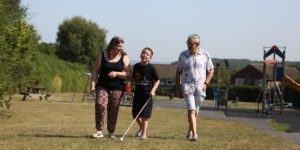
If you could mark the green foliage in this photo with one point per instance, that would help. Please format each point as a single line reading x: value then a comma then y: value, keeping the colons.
x: 80, y: 40
x: 18, y: 41
x: 244, y: 93
x: 56, y: 75
x: 57, y: 84
x: 48, y: 48
x: 296, y: 65
x: 291, y: 95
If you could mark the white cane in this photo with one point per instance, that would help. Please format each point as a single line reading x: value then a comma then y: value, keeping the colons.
x: 122, y: 138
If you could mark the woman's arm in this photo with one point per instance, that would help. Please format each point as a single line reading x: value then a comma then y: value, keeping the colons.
x: 122, y: 74
x: 95, y: 73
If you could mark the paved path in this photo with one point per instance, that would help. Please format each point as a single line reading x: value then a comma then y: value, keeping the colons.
x: 250, y: 117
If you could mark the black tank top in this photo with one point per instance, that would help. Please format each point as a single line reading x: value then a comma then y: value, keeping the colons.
x: 106, y: 67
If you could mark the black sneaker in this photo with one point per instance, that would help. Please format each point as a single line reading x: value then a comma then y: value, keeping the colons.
x: 112, y: 136
x: 138, y: 133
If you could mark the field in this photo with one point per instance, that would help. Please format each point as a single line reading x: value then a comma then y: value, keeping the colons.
x: 60, y: 124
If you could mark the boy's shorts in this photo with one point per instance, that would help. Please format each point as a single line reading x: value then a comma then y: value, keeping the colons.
x: 193, y: 102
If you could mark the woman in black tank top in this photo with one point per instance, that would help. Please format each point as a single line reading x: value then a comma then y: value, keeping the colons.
x: 109, y: 71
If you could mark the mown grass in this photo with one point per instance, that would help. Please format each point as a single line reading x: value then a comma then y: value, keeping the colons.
x: 60, y: 124
x: 280, y: 126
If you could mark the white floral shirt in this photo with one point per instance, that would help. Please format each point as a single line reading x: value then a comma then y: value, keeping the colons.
x: 193, y: 70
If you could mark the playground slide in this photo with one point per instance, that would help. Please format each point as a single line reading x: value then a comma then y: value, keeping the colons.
x: 293, y: 84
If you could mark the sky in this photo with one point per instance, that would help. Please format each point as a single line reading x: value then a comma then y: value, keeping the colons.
x: 235, y: 29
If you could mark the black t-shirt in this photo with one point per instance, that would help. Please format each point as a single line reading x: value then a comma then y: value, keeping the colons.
x: 144, y: 77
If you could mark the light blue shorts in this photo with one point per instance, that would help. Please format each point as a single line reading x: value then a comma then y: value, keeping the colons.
x: 193, y: 102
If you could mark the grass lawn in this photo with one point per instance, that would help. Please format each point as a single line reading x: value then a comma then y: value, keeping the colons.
x: 60, y: 124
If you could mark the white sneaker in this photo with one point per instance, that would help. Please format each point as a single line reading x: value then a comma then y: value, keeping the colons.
x: 189, y: 135
x: 98, y: 134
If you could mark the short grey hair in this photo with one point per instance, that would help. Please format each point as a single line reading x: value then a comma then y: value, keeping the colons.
x: 195, y: 37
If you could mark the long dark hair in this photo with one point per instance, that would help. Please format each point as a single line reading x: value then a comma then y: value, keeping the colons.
x: 114, y: 42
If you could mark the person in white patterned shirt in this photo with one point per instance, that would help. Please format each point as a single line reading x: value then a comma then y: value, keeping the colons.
x: 194, y: 72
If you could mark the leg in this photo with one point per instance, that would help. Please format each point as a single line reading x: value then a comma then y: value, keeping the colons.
x: 198, y: 101
x: 139, y: 132
x: 100, y: 107
x: 192, y: 113
x: 144, y: 128
x: 193, y: 122
x: 139, y: 122
x: 136, y: 107
x: 114, y: 100
x: 190, y: 122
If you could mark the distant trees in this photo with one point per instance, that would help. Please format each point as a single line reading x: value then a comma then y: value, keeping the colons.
x: 48, y: 48
x: 18, y: 41
x: 79, y: 40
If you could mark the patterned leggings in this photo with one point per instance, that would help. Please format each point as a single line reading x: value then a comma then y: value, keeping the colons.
x: 110, y: 100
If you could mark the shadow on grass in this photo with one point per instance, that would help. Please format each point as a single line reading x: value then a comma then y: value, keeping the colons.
x: 54, y: 136
x: 89, y: 136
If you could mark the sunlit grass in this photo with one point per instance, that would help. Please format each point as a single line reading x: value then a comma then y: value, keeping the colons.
x: 280, y: 126
x: 60, y: 124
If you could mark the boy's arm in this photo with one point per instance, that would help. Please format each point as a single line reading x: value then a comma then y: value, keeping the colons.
x: 154, y: 88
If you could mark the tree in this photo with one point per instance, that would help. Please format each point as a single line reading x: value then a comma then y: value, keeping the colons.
x: 18, y: 40
x: 80, y: 40
x: 48, y: 48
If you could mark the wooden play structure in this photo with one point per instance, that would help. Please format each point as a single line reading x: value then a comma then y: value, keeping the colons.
x: 271, y: 95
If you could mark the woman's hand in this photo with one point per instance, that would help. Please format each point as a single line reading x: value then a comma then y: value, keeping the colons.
x: 113, y: 74
x: 92, y: 91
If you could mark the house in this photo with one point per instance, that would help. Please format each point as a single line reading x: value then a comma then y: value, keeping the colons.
x: 252, y: 74
x: 166, y: 73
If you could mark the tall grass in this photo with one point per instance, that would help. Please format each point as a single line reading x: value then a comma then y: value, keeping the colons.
x: 57, y: 75
x: 60, y: 124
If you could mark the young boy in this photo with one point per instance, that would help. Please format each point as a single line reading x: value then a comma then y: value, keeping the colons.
x: 146, y: 82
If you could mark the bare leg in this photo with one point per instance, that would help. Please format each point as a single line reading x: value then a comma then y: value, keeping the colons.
x: 144, y: 127
x: 139, y: 121
x: 192, y: 122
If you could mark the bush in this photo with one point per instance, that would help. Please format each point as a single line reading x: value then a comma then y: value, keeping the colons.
x: 57, y: 75
x: 244, y: 93
x: 56, y: 84
x: 290, y: 95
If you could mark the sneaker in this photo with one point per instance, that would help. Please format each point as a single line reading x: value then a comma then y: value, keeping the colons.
x: 189, y: 135
x: 194, y: 138
x: 138, y: 133
x: 98, y: 134
x: 112, y: 136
